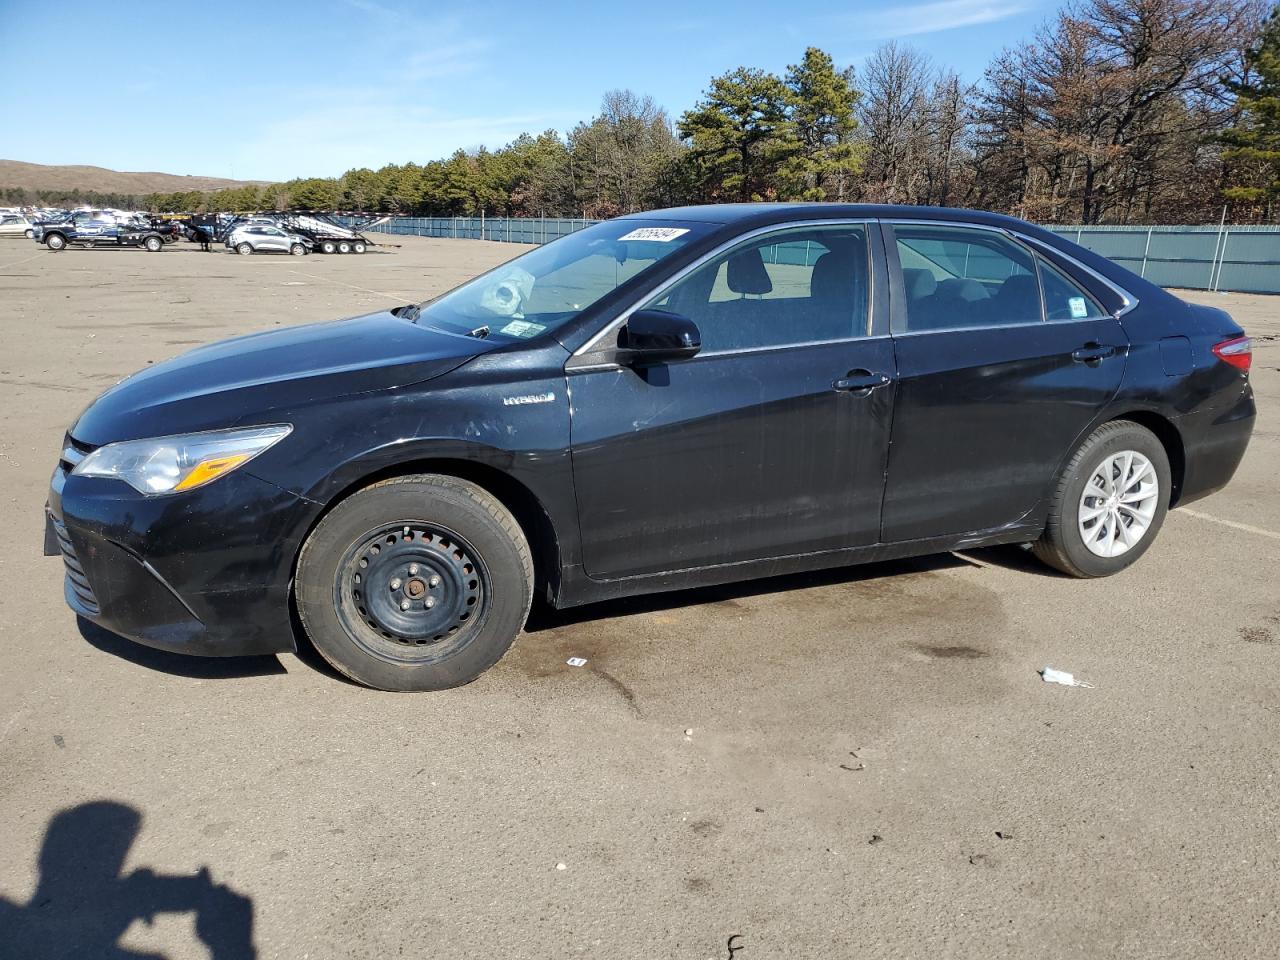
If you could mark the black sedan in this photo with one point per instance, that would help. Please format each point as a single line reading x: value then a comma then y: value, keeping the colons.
x: 661, y: 401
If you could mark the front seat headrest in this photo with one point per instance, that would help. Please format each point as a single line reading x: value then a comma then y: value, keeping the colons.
x: 920, y: 283
x: 746, y: 273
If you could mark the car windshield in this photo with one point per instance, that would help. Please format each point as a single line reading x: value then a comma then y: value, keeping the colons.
x: 551, y: 285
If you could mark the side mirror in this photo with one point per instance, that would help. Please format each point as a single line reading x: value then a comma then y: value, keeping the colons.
x: 656, y: 336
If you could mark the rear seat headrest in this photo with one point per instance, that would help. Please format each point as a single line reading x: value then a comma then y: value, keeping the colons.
x: 963, y: 288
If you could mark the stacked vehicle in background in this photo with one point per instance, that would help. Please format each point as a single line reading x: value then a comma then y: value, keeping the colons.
x: 266, y: 237
x: 293, y: 233
x: 323, y: 234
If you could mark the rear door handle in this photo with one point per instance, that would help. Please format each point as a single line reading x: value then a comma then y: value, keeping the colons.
x: 1093, y: 353
x: 860, y: 382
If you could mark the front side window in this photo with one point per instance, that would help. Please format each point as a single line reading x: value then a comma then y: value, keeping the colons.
x: 957, y: 277
x: 551, y: 285
x: 802, y: 285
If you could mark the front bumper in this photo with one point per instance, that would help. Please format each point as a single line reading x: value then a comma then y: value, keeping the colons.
x: 205, y: 573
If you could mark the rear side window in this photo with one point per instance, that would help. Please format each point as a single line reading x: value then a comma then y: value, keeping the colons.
x: 1063, y: 297
x: 957, y: 277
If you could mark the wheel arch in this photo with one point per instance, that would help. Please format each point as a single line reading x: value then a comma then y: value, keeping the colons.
x: 1165, y: 430
x: 529, y: 512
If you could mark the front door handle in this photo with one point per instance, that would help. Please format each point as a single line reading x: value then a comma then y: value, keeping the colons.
x: 860, y: 382
x: 1093, y: 353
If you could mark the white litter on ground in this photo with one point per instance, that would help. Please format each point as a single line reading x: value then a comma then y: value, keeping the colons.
x: 576, y: 662
x: 1051, y: 675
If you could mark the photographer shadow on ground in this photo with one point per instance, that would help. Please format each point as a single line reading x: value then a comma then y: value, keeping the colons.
x: 83, y: 903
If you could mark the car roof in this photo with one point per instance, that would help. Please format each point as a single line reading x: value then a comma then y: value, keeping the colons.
x: 760, y: 214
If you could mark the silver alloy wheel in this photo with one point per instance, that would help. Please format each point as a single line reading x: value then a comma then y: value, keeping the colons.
x: 1118, y: 503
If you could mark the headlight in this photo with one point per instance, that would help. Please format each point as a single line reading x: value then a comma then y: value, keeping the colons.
x: 172, y: 464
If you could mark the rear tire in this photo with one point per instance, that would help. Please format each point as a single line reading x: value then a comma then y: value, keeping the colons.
x: 244, y: 249
x: 1109, y: 504
x: 297, y: 250
x: 415, y: 583
x: 344, y: 247
x: 328, y: 246
x: 29, y: 234
x: 358, y: 247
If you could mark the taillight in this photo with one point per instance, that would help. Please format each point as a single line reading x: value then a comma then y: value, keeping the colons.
x: 1238, y: 351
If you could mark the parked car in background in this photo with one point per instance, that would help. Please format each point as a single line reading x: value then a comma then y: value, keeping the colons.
x: 96, y: 228
x: 667, y: 400
x: 266, y: 238
x: 16, y: 225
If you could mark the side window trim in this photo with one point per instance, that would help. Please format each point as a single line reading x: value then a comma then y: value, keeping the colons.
x: 598, y: 351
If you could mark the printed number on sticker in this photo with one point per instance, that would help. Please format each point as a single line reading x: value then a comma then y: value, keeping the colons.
x: 660, y: 234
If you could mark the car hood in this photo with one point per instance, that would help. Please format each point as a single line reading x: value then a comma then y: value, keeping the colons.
x: 264, y: 375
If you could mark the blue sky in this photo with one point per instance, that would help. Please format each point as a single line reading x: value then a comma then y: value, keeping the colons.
x: 281, y: 88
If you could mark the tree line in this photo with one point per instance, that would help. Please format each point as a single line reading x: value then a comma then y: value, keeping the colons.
x: 1115, y: 111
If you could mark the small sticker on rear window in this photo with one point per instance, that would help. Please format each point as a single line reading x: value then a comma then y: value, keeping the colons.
x: 1079, y: 308
x: 522, y: 328
x: 660, y: 234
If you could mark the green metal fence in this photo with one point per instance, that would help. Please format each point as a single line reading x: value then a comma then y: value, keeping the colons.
x: 1244, y: 259
x: 1237, y: 258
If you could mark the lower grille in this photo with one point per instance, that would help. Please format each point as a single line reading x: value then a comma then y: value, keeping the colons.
x: 75, y: 573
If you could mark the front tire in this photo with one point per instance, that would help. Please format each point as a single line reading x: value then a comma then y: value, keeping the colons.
x: 415, y: 583
x: 153, y: 244
x: 29, y: 234
x: 56, y: 241
x: 1109, y: 504
x: 244, y: 249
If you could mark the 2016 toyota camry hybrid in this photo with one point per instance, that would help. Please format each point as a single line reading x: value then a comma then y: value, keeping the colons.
x: 665, y: 400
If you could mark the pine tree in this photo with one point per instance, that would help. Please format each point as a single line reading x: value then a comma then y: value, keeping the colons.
x: 1252, y: 151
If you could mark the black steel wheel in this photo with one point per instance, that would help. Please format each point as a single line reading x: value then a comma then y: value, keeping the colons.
x: 411, y: 590
x: 415, y: 583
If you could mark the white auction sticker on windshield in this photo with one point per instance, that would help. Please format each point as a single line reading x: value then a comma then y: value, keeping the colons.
x: 660, y: 234
x: 522, y: 328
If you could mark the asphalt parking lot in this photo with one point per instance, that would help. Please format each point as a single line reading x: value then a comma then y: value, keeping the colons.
x: 873, y: 768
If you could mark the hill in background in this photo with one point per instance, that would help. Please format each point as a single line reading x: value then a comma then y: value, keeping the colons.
x: 15, y: 174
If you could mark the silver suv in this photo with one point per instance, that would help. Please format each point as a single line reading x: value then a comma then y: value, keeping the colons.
x: 265, y: 238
